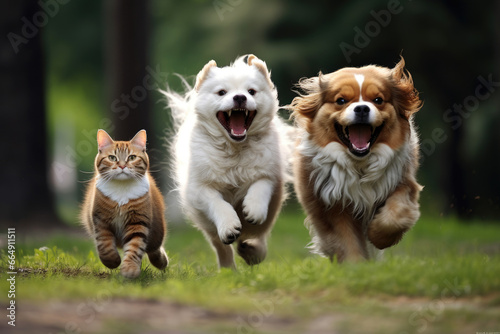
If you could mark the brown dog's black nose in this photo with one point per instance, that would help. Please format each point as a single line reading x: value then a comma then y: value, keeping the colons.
x: 362, y: 111
x: 240, y: 100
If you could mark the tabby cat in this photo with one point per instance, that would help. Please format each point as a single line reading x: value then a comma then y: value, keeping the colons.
x: 123, y: 207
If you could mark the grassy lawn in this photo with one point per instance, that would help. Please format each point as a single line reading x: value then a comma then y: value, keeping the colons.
x: 444, y: 277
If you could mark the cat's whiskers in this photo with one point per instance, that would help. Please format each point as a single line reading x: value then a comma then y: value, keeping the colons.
x: 105, y: 177
x: 138, y: 176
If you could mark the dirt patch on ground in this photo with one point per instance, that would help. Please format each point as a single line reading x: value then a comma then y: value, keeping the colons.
x: 128, y: 315
x: 137, y: 316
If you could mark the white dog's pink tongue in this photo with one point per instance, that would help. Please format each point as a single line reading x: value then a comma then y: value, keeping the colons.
x: 237, y: 123
x: 359, y: 135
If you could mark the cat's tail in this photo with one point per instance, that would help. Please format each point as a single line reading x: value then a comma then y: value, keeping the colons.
x: 180, y: 104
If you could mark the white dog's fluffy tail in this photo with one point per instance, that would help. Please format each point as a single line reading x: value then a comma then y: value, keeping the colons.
x: 288, y: 136
x: 179, y: 104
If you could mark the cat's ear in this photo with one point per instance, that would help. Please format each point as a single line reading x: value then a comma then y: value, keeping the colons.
x: 103, y: 139
x: 140, y: 140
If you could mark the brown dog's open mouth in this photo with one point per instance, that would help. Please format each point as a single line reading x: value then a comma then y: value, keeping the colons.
x: 359, y: 138
x: 236, y: 122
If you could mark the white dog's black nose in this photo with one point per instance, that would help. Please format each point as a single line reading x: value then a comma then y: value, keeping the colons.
x: 362, y: 111
x: 240, y: 100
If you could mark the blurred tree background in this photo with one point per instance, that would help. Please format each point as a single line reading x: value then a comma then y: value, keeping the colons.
x: 105, y: 61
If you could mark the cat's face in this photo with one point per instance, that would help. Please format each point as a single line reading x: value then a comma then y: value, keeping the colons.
x: 121, y: 160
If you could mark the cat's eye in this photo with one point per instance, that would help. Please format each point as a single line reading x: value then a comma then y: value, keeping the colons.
x: 252, y: 91
x: 113, y: 158
x: 222, y: 92
x: 131, y: 157
x: 378, y: 100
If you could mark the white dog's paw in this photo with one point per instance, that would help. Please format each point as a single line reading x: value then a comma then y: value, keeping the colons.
x: 254, y: 210
x: 229, y: 232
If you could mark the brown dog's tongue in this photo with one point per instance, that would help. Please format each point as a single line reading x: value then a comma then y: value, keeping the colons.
x: 237, y: 122
x: 359, y: 135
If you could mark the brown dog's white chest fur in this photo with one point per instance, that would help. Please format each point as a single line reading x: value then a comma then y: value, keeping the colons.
x: 338, y: 178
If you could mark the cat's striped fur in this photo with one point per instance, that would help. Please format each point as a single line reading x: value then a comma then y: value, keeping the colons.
x: 123, y: 207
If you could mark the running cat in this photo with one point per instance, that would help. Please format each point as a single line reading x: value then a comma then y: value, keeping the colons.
x: 123, y: 207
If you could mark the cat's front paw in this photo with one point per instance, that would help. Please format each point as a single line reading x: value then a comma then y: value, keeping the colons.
x: 111, y: 259
x: 130, y: 269
x: 254, y: 210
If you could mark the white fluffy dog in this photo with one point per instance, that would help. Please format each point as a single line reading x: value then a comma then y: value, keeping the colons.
x: 230, y: 158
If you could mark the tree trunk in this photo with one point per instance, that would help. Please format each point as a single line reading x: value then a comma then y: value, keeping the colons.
x: 127, y: 56
x: 131, y: 78
x: 24, y: 192
x: 455, y: 185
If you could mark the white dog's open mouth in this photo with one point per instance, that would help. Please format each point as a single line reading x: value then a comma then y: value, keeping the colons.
x: 236, y: 122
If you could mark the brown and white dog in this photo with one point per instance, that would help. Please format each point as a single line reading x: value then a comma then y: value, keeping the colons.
x: 356, y: 159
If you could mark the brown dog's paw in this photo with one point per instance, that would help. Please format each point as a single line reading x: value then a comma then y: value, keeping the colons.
x: 393, y: 219
x: 383, y: 238
x: 252, y: 251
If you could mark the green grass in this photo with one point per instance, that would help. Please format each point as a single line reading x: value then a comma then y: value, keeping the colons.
x: 439, y: 263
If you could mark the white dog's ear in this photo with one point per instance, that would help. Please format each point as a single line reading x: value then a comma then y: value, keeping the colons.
x: 252, y: 60
x: 204, y: 73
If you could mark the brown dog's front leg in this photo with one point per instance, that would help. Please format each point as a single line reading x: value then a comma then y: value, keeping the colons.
x: 399, y: 213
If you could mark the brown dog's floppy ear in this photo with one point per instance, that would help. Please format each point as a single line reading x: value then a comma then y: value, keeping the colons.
x: 202, y: 75
x: 405, y: 96
x: 252, y: 60
x: 399, y: 70
x: 305, y: 106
